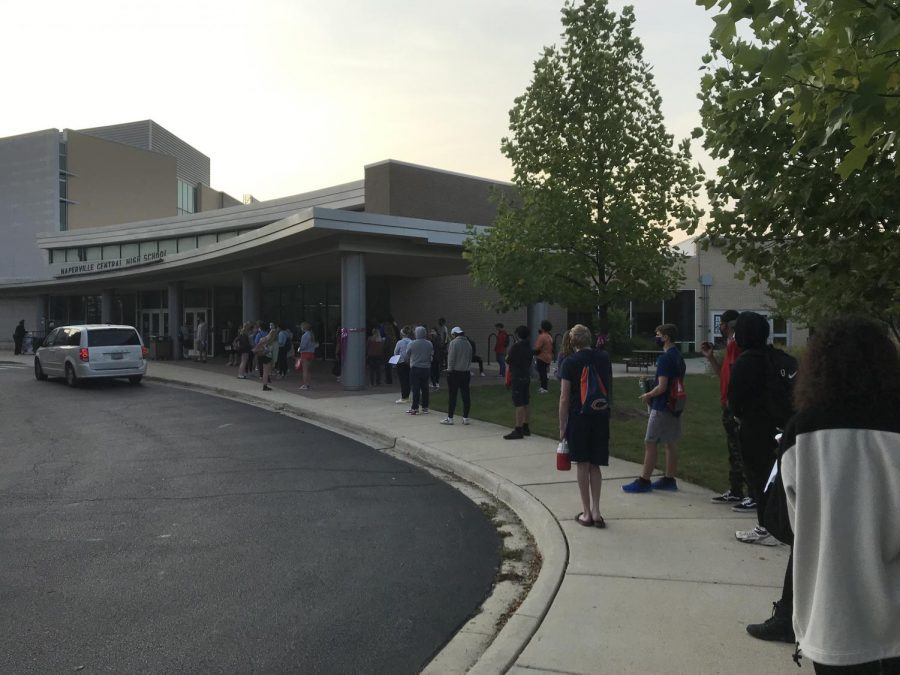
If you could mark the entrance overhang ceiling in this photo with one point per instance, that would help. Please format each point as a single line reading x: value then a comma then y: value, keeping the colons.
x: 305, y: 246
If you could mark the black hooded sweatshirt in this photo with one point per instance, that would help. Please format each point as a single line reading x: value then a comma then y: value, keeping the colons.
x: 747, y: 389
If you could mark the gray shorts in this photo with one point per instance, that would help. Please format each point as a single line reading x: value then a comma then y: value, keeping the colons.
x: 663, y: 427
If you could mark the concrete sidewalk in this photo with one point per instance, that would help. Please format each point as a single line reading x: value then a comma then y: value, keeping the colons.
x: 666, y: 588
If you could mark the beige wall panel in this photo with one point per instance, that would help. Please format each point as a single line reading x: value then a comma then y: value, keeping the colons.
x: 462, y: 304
x: 115, y: 183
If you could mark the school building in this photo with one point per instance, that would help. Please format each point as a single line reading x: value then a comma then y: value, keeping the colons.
x: 119, y: 224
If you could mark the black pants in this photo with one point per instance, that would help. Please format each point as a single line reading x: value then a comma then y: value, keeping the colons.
x: 403, y: 376
x: 418, y: 381
x: 542, y: 369
x: 458, y: 381
x: 281, y: 361
x: 18, y: 345
x: 436, y: 370
x: 480, y: 362
x: 374, y: 364
x: 883, y: 667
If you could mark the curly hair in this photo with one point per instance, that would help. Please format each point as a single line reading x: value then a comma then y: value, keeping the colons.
x: 850, y: 362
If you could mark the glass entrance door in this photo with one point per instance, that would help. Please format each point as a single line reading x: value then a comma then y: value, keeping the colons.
x: 154, y: 322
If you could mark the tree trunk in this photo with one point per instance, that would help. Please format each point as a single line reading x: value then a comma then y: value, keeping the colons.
x: 603, y: 319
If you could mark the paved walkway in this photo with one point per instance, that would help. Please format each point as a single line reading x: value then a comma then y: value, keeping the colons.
x: 665, y: 588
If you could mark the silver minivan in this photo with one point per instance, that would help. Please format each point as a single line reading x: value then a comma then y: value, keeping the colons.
x: 91, y: 351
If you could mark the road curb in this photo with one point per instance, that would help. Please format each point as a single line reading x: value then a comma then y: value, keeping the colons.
x: 537, y: 519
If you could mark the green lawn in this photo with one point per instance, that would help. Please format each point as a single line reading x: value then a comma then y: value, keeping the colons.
x: 703, y: 458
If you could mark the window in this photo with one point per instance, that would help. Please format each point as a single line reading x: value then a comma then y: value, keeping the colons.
x: 113, y: 337
x: 63, y: 190
x: 205, y: 240
x: 187, y: 198
x: 73, y: 337
x: 92, y: 253
x: 168, y: 246
x: 148, y: 247
x: 112, y: 252
x: 187, y: 244
x: 130, y: 250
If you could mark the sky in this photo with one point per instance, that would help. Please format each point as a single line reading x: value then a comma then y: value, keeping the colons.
x: 291, y: 96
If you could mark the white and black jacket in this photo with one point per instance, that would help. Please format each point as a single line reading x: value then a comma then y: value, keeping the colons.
x: 841, y: 474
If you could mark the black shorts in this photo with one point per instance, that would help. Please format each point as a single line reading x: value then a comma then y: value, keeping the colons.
x: 588, y: 437
x: 263, y: 359
x: 521, y: 391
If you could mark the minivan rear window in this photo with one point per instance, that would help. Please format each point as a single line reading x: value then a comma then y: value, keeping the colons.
x: 113, y: 337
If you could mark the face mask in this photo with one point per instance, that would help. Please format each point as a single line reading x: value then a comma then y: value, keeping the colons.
x: 660, y: 342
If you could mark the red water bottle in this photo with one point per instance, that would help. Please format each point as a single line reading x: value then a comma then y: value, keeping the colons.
x: 563, y: 461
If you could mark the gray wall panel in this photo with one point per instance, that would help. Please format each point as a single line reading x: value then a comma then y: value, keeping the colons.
x: 29, y: 201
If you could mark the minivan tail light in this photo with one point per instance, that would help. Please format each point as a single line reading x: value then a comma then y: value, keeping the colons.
x: 83, y: 354
x: 144, y: 352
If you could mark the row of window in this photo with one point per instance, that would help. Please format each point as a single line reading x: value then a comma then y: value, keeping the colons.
x: 117, y: 251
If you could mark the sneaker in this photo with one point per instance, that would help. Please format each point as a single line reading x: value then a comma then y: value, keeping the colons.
x: 465, y: 421
x: 774, y: 629
x: 747, y: 505
x: 425, y: 411
x: 447, y: 420
x: 638, y: 485
x: 412, y: 411
x: 727, y: 497
x: 267, y: 387
x: 304, y: 386
x: 513, y: 435
x: 525, y: 430
x: 665, y: 483
x: 242, y: 377
x: 542, y: 391
x: 483, y: 375
x: 402, y: 400
x: 758, y: 535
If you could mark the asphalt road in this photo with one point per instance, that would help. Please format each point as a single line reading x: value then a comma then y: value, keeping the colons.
x: 149, y: 529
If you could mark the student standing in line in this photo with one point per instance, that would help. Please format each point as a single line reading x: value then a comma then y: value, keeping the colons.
x: 841, y: 473
x: 459, y: 360
x: 375, y: 357
x: 586, y: 433
x: 419, y: 355
x: 245, y: 349
x: 267, y: 353
x: 519, y: 363
x: 543, y: 354
x: 734, y: 495
x: 201, y: 338
x: 402, y: 364
x: 307, y: 351
x: 663, y: 426
x: 747, y: 399
x: 19, y: 336
x: 500, y: 347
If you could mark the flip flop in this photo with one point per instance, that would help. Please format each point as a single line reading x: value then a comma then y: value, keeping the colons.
x: 600, y: 523
x: 586, y: 523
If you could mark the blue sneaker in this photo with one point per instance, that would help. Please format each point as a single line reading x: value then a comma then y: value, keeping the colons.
x: 665, y: 483
x: 638, y: 485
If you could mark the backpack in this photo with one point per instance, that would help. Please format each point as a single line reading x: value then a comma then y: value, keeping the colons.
x: 594, y: 398
x: 677, y: 399
x: 781, y: 373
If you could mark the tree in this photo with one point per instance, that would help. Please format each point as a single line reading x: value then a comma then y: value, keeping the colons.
x: 824, y: 239
x: 838, y: 59
x: 600, y: 184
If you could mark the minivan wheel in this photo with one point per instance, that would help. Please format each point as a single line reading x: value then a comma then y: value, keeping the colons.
x: 39, y: 373
x: 71, y: 378
x: 135, y: 379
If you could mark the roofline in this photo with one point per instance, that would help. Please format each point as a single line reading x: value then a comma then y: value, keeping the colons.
x: 437, y: 170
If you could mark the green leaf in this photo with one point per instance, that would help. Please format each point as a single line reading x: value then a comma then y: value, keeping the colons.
x: 853, y: 161
x: 724, y: 30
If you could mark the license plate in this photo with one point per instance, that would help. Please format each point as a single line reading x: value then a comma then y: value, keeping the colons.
x: 118, y: 356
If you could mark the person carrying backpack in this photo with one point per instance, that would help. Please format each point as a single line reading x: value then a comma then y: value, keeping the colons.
x: 759, y: 397
x: 584, y: 409
x: 664, y: 425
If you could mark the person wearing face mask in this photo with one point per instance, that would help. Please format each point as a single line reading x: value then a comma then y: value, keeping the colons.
x: 734, y: 495
x: 663, y: 426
